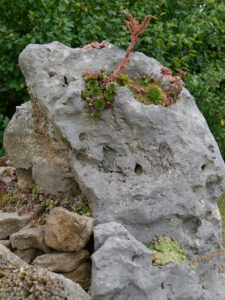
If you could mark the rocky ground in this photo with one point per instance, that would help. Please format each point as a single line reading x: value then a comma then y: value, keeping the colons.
x: 44, y: 230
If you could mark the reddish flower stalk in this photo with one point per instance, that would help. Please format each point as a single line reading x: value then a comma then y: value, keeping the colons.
x: 135, y: 30
x: 182, y: 73
x: 176, y: 85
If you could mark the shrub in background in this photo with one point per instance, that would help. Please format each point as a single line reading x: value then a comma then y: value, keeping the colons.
x: 183, y: 34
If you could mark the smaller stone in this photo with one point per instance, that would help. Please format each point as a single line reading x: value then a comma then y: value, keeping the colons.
x: 7, y: 174
x: 67, y: 231
x: 81, y: 275
x: 5, y: 243
x: 9, y: 163
x: 7, y: 171
x: 27, y: 254
x: 3, y: 161
x: 12, y: 222
x: 30, y: 237
x: 61, y: 262
x: 25, y: 181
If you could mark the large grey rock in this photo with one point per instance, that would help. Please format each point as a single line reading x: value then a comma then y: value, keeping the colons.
x: 154, y: 169
x: 19, y: 281
x: 122, y: 269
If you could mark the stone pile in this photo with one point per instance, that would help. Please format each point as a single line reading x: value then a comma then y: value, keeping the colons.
x: 57, y: 246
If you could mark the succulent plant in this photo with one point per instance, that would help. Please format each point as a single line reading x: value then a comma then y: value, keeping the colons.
x: 85, y: 94
x: 92, y: 83
x: 99, y: 93
x: 108, y: 96
x: 111, y: 87
x: 95, y: 91
x: 155, y: 95
x: 166, y: 250
x: 99, y: 103
x: 123, y: 79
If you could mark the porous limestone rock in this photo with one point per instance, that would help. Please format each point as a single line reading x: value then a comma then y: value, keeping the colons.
x: 154, y: 169
x: 30, y: 237
x: 38, y: 152
x: 61, y: 261
x: 67, y: 231
x: 19, y: 281
x: 12, y: 222
x: 122, y: 269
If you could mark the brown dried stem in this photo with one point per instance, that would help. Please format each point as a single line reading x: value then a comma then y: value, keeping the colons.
x: 135, y: 30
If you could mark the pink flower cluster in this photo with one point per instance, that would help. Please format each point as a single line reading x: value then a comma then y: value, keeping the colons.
x: 97, y: 45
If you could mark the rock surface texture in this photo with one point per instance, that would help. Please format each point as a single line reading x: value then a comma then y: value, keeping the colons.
x: 122, y: 269
x: 12, y: 222
x: 29, y: 237
x: 67, y: 231
x: 19, y: 281
x: 153, y: 169
x: 61, y: 261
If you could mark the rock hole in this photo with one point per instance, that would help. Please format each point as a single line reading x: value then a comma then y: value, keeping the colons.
x: 138, y: 169
x: 90, y: 245
x: 211, y: 148
x: 51, y: 74
x: 82, y: 136
x: 162, y: 286
x: 134, y: 257
x: 65, y: 80
x: 203, y: 167
x: 192, y: 224
x: 109, y: 156
x: 209, y: 214
x: 80, y: 156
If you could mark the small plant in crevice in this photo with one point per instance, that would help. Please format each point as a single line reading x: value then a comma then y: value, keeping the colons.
x: 146, y: 90
x: 14, y: 200
x: 166, y: 250
x: 99, y: 93
x: 81, y: 206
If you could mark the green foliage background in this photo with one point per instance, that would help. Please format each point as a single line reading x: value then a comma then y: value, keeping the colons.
x: 187, y: 34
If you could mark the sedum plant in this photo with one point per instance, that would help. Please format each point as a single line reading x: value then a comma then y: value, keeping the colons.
x: 166, y: 250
